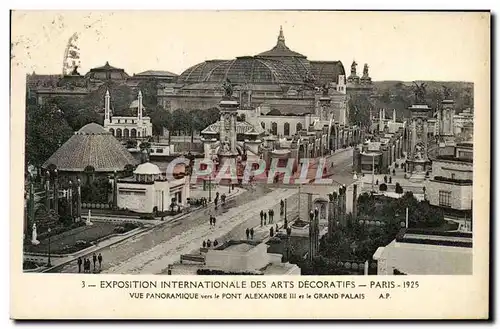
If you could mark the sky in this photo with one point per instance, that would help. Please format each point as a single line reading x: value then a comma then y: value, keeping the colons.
x: 396, y: 45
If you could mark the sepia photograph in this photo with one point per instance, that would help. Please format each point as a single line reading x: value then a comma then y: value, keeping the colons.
x: 201, y: 143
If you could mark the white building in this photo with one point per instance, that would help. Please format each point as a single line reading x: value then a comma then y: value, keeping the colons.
x: 415, y: 252
x: 450, y: 185
x: 148, y: 190
x: 127, y: 127
x: 246, y: 257
x: 462, y: 120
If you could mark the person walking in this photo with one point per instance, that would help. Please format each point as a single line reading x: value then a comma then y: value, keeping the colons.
x: 216, y: 243
x: 94, y: 260
x: 210, y: 219
x: 251, y: 233
x: 223, y: 199
x: 79, y: 261
x: 271, y: 216
x: 204, y: 244
x: 262, y: 215
x: 265, y: 218
x: 271, y: 232
x: 85, y: 265
x: 277, y: 228
x: 247, y: 231
x: 282, y: 207
x: 99, y: 258
x: 209, y: 243
x: 214, y: 220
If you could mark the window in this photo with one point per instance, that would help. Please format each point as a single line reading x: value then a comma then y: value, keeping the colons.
x: 159, y: 150
x: 286, y: 129
x: 445, y: 198
x: 452, y: 176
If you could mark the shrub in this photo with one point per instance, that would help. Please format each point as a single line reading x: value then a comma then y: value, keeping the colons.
x: 119, y: 229
x: 399, y: 189
x: 382, y: 187
x: 147, y: 217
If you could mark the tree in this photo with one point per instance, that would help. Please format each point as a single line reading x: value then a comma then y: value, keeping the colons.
x: 180, y: 121
x: 382, y: 187
x: 46, y: 131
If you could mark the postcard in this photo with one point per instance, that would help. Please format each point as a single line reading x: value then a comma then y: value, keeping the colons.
x: 250, y: 165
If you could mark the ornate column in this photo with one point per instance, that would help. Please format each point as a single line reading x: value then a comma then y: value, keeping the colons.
x: 56, y: 192
x: 78, y: 212
x: 47, y: 190
x: 70, y: 199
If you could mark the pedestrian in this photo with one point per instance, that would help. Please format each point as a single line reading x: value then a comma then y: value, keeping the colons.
x: 99, y: 258
x: 210, y: 220
x: 277, y: 228
x: 79, y: 261
x: 216, y: 243
x: 390, y: 180
x: 270, y: 216
x: 385, y: 179
x: 265, y: 218
x: 223, y: 199
x: 214, y: 220
x: 261, y: 215
x: 271, y: 232
x: 209, y: 243
x: 282, y: 207
x: 86, y: 265
x: 376, y: 183
x: 247, y: 231
x: 94, y: 260
x: 261, y: 221
x: 394, y: 172
x: 216, y: 201
x: 204, y: 244
x: 251, y: 233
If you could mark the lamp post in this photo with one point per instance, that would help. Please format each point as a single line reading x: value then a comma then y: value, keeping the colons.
x: 285, y: 225
x: 209, y: 189
x: 49, y: 264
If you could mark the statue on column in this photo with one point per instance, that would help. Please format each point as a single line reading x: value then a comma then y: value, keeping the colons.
x: 228, y: 88
x: 420, y: 92
x: 447, y: 92
x: 353, y: 68
x: 365, y: 71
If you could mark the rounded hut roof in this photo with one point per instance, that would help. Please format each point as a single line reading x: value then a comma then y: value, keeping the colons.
x: 91, y: 146
x: 147, y: 168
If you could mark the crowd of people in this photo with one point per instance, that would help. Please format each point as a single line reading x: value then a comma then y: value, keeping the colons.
x: 85, y: 263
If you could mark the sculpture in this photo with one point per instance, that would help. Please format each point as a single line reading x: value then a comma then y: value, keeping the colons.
x: 353, y: 67
x: 446, y: 92
x: 420, y: 93
x: 228, y: 88
x: 34, y: 235
x: 365, y: 70
x: 418, y: 152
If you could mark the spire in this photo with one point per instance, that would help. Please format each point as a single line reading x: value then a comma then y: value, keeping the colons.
x: 281, y: 36
x: 107, y: 107
x: 139, y: 106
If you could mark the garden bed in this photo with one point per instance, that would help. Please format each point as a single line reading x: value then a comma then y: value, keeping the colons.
x: 79, y: 238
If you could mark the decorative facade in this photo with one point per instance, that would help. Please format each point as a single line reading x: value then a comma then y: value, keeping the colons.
x: 127, y: 127
x: 148, y: 191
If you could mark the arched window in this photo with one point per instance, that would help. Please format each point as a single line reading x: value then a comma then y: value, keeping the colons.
x: 118, y: 132
x: 126, y: 133
x: 298, y: 127
x: 112, y: 131
x: 133, y: 133
x: 274, y: 128
x: 286, y: 129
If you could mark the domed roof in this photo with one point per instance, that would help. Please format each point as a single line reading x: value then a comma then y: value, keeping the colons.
x: 147, y: 168
x: 91, y: 146
x: 244, y: 70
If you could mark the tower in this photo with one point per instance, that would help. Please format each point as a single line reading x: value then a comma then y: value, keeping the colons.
x: 107, y: 109
x: 139, y: 106
x: 418, y: 161
x: 446, y: 117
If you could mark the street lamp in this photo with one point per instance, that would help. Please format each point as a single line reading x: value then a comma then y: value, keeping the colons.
x: 285, y: 225
x: 48, y: 261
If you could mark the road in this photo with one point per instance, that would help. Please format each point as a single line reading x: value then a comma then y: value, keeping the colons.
x: 152, y: 251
